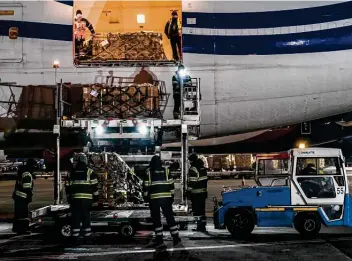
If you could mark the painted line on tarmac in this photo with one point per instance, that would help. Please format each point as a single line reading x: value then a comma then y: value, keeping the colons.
x: 76, y: 256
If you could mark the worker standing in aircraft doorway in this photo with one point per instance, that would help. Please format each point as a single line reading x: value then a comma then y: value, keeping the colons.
x: 180, y: 74
x: 82, y: 187
x: 80, y: 31
x: 173, y: 31
x: 158, y: 189
x: 22, y: 196
x: 198, y: 190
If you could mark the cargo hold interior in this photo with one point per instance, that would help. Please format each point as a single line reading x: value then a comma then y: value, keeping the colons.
x: 126, y: 30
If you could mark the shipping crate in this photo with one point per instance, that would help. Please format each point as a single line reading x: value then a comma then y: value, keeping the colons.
x: 129, y: 46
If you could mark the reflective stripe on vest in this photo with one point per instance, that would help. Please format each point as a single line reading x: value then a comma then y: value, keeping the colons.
x: 20, y: 194
x: 153, y: 184
x: 82, y: 195
x: 160, y: 195
x: 202, y: 190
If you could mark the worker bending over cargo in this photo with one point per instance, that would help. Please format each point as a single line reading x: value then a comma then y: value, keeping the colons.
x: 22, y: 196
x: 158, y: 189
x: 81, y: 24
x: 81, y: 188
x: 198, y: 190
x: 180, y: 75
x: 173, y: 31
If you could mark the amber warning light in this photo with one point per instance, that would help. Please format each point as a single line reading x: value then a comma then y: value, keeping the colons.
x: 13, y: 33
x: 7, y: 12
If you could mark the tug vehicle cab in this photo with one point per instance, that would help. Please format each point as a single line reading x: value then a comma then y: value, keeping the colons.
x: 302, y: 188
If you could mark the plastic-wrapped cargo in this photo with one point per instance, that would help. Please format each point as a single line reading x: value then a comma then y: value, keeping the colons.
x: 118, y: 184
x: 244, y: 161
x: 137, y: 46
x: 121, y: 101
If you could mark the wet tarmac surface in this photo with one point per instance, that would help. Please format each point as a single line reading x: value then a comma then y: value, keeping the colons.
x: 264, y: 244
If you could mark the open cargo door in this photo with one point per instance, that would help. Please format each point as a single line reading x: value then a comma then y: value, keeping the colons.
x: 127, y: 33
x: 11, y: 44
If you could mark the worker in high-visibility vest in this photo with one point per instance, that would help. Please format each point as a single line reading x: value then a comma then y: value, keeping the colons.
x: 80, y: 26
x: 198, y: 190
x: 173, y: 31
x: 158, y: 189
x: 22, y: 196
x: 82, y: 187
x: 180, y: 74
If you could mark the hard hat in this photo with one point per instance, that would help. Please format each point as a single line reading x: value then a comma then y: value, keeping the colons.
x: 80, y: 157
x: 193, y: 157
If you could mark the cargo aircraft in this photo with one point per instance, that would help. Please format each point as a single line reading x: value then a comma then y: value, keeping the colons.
x: 262, y: 64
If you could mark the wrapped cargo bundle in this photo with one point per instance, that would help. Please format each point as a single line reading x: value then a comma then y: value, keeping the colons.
x: 117, y: 182
x: 129, y: 46
x: 121, y: 101
x: 243, y: 161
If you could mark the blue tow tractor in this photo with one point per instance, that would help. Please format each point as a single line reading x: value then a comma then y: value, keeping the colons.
x: 301, y: 188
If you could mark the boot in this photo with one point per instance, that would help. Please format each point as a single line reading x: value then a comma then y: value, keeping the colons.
x: 157, y: 244
x: 176, y: 240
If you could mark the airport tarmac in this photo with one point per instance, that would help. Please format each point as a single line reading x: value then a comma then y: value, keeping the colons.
x: 43, y: 194
x: 264, y: 244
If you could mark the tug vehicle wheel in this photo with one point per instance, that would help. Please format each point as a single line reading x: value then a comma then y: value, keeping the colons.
x: 307, y: 224
x: 240, y: 222
x: 127, y: 231
x: 64, y: 229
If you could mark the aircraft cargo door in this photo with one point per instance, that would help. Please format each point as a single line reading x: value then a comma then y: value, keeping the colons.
x: 11, y: 15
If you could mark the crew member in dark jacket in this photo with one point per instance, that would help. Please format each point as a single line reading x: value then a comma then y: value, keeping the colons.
x: 81, y: 24
x: 81, y: 188
x: 173, y: 31
x: 22, y: 196
x: 198, y: 189
x: 158, y: 189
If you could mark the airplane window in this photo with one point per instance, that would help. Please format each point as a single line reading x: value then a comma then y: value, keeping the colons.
x: 318, y: 166
x: 272, y: 167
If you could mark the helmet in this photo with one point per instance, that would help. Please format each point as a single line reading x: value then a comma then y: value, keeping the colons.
x: 181, y: 67
x: 31, y: 163
x: 193, y: 157
x: 80, y: 157
x: 155, y: 162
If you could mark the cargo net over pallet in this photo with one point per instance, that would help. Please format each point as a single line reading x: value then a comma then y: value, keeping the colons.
x: 121, y: 98
x: 134, y: 49
x: 117, y: 183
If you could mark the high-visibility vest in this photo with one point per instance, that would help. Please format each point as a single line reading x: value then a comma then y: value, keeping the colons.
x: 198, y: 181
x: 24, y: 186
x: 83, y: 184
x: 158, y: 184
x: 179, y: 25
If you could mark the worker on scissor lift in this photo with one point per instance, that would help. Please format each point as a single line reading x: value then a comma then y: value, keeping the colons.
x: 22, y: 196
x: 179, y: 75
x: 81, y: 188
x: 158, y: 189
x: 198, y: 190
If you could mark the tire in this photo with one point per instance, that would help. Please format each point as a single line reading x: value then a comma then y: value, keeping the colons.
x: 64, y: 230
x: 239, y: 222
x: 127, y: 231
x: 307, y: 224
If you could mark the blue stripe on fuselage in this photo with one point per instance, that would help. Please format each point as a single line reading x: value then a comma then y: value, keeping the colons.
x: 253, y: 20
x: 308, y: 42
x: 70, y: 3
x: 36, y: 30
